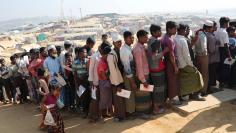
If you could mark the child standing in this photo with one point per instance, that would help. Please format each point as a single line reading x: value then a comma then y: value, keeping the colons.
x: 232, y: 47
x: 232, y: 40
x: 69, y: 91
x: 50, y: 103
x: 42, y: 91
x: 43, y: 83
x: 80, y: 68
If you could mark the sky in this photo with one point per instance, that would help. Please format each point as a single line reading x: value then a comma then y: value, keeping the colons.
x: 13, y: 9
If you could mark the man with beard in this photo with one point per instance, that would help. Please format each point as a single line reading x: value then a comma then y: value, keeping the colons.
x: 52, y: 63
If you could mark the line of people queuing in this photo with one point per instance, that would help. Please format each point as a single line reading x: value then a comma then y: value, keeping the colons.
x: 176, y: 64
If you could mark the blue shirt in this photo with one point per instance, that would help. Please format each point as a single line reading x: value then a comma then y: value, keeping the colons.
x: 232, y: 41
x: 52, y: 65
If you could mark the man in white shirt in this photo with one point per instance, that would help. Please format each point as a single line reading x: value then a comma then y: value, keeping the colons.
x: 222, y: 37
x: 188, y: 75
x: 127, y: 60
x: 182, y: 52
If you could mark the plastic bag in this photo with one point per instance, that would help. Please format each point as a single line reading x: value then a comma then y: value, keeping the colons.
x: 80, y: 91
x: 60, y: 80
x: 18, y: 91
x: 60, y: 104
x: 49, y: 120
x: 94, y: 89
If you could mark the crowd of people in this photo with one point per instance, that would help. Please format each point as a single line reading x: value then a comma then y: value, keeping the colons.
x: 180, y: 68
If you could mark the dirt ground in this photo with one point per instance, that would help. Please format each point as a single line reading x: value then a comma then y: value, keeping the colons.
x: 218, y: 119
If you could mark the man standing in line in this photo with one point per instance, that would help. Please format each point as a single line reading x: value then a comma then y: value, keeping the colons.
x: 222, y: 37
x: 127, y: 60
x: 142, y: 98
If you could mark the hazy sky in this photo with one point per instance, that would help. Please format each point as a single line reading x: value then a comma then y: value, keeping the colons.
x: 10, y: 9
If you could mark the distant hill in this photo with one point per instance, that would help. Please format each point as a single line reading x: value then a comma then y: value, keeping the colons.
x: 227, y: 12
x: 10, y: 24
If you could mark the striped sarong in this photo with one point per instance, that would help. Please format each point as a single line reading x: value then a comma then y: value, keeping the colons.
x: 143, y: 101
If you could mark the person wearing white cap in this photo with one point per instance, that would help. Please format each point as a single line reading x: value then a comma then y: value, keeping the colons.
x: 213, y: 54
x: 49, y: 47
x: 116, y: 38
x: 117, y: 42
x: 202, y: 54
x: 209, y: 23
x: 52, y: 64
x: 115, y: 68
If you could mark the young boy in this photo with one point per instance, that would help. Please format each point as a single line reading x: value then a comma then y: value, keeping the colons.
x: 69, y: 91
x: 80, y: 68
x: 232, y: 47
x: 232, y: 40
x: 43, y: 84
x: 222, y: 36
x: 42, y: 91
